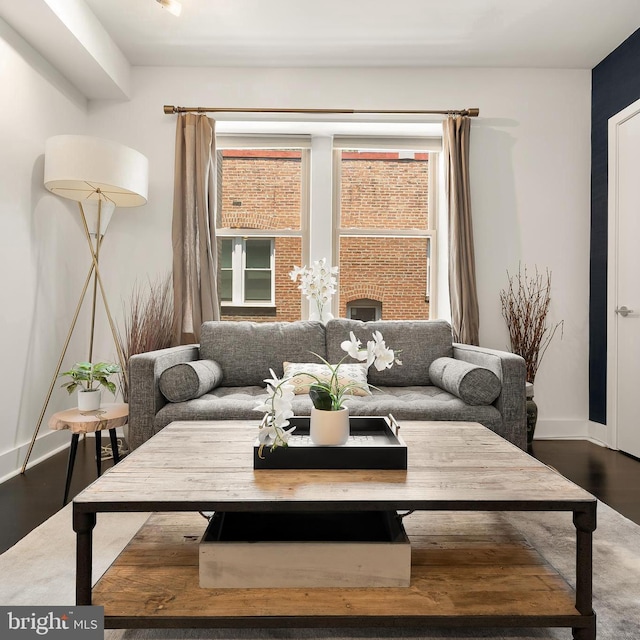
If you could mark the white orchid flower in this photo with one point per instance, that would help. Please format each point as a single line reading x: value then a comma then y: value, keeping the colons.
x: 383, y: 356
x: 267, y: 434
x: 369, y: 354
x: 384, y: 359
x: 295, y: 272
x: 352, y: 346
x: 273, y: 381
x: 317, y: 283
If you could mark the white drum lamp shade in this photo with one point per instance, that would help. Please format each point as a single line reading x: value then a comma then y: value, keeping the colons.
x: 89, y: 169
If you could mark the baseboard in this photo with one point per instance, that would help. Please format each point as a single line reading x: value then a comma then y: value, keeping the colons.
x: 561, y: 429
x: 599, y: 434
x: 46, y: 445
x: 571, y: 430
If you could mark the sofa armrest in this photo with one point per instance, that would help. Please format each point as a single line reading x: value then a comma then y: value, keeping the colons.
x: 145, y: 399
x: 510, y: 369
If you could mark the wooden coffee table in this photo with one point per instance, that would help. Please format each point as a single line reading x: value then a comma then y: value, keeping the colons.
x: 469, y: 566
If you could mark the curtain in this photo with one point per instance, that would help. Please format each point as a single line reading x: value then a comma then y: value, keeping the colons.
x: 194, y: 248
x: 463, y: 295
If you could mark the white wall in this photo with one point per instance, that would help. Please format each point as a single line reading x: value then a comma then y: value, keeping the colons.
x: 530, y: 194
x: 530, y: 181
x: 38, y: 238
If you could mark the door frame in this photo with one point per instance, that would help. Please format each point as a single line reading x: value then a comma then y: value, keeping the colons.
x: 612, y: 270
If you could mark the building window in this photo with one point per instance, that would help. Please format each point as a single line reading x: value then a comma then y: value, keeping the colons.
x: 365, y: 310
x: 247, y: 271
x: 261, y: 225
x: 384, y: 233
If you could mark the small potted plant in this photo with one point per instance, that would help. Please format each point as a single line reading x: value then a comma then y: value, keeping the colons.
x: 87, y: 379
x: 329, y: 421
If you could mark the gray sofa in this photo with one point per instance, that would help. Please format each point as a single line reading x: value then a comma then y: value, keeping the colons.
x: 239, y: 355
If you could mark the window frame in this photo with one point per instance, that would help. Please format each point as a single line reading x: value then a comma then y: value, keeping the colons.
x: 432, y: 146
x: 238, y: 270
x: 267, y: 142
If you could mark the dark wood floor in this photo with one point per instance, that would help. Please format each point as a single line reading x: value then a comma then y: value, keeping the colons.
x: 611, y: 476
x: 28, y: 500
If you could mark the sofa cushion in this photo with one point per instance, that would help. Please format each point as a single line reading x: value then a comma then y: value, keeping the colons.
x: 469, y: 382
x: 348, y: 374
x: 423, y: 403
x: 417, y: 344
x: 225, y: 403
x: 189, y: 380
x: 247, y: 350
x: 405, y: 403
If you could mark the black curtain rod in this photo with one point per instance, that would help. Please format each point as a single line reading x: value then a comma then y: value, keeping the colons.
x: 472, y: 113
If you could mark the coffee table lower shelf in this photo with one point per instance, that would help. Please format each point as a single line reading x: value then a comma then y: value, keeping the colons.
x: 468, y: 569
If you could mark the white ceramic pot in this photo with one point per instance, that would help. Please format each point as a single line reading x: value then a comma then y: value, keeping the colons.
x: 89, y: 400
x: 329, y: 427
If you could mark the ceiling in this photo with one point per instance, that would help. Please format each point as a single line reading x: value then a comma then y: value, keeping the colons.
x: 94, y: 43
x: 474, y: 33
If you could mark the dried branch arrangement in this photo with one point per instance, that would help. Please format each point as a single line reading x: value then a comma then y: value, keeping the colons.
x: 525, y: 305
x: 148, y: 321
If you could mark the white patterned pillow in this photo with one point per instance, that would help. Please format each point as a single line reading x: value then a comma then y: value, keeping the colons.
x: 298, y: 372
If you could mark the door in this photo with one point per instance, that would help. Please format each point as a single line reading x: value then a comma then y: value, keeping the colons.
x: 623, y: 402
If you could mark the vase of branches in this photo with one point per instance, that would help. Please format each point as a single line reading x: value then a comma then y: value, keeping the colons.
x: 525, y: 307
x: 148, y: 321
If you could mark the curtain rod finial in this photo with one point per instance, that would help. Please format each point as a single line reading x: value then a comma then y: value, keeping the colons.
x: 472, y: 113
x: 169, y: 108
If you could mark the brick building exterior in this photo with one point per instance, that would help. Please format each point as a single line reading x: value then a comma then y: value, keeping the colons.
x: 261, y: 189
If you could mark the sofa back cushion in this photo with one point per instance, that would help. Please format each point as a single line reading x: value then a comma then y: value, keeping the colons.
x: 247, y: 350
x: 417, y: 343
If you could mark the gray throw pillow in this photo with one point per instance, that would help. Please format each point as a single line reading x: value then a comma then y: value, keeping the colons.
x: 189, y: 380
x: 469, y: 382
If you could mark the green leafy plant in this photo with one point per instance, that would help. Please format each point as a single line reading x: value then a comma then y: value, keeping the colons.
x: 90, y: 377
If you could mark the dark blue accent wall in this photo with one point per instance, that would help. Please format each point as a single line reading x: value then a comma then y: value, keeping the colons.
x: 615, y: 85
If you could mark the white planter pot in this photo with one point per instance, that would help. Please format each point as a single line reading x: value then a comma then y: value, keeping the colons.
x: 329, y: 427
x: 89, y: 400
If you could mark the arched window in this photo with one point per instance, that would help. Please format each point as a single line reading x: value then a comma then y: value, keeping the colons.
x: 364, y: 309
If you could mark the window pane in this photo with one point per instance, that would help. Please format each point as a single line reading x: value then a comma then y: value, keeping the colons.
x: 226, y: 253
x: 257, y: 285
x: 259, y: 188
x: 226, y: 285
x: 384, y: 190
x: 392, y: 271
x: 258, y: 253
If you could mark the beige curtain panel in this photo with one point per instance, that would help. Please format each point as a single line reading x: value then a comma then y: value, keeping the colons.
x: 465, y: 317
x: 194, y: 246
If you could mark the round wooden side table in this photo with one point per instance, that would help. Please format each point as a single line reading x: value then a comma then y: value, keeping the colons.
x: 108, y: 416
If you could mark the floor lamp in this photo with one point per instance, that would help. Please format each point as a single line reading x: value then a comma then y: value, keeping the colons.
x: 100, y: 175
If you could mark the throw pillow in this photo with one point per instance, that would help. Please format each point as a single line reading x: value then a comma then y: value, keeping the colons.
x: 189, y: 380
x: 347, y: 374
x: 469, y: 382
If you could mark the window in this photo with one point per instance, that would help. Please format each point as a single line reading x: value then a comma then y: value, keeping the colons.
x: 374, y: 211
x: 261, y: 225
x: 384, y: 228
x: 365, y: 310
x: 247, y: 271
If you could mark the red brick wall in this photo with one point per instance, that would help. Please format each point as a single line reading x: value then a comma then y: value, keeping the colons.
x: 262, y: 190
x: 380, y: 192
x: 390, y: 270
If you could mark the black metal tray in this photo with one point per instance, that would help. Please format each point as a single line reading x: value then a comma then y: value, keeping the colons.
x: 372, y: 444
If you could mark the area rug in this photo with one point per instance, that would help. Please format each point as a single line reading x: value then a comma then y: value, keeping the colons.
x: 40, y: 570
